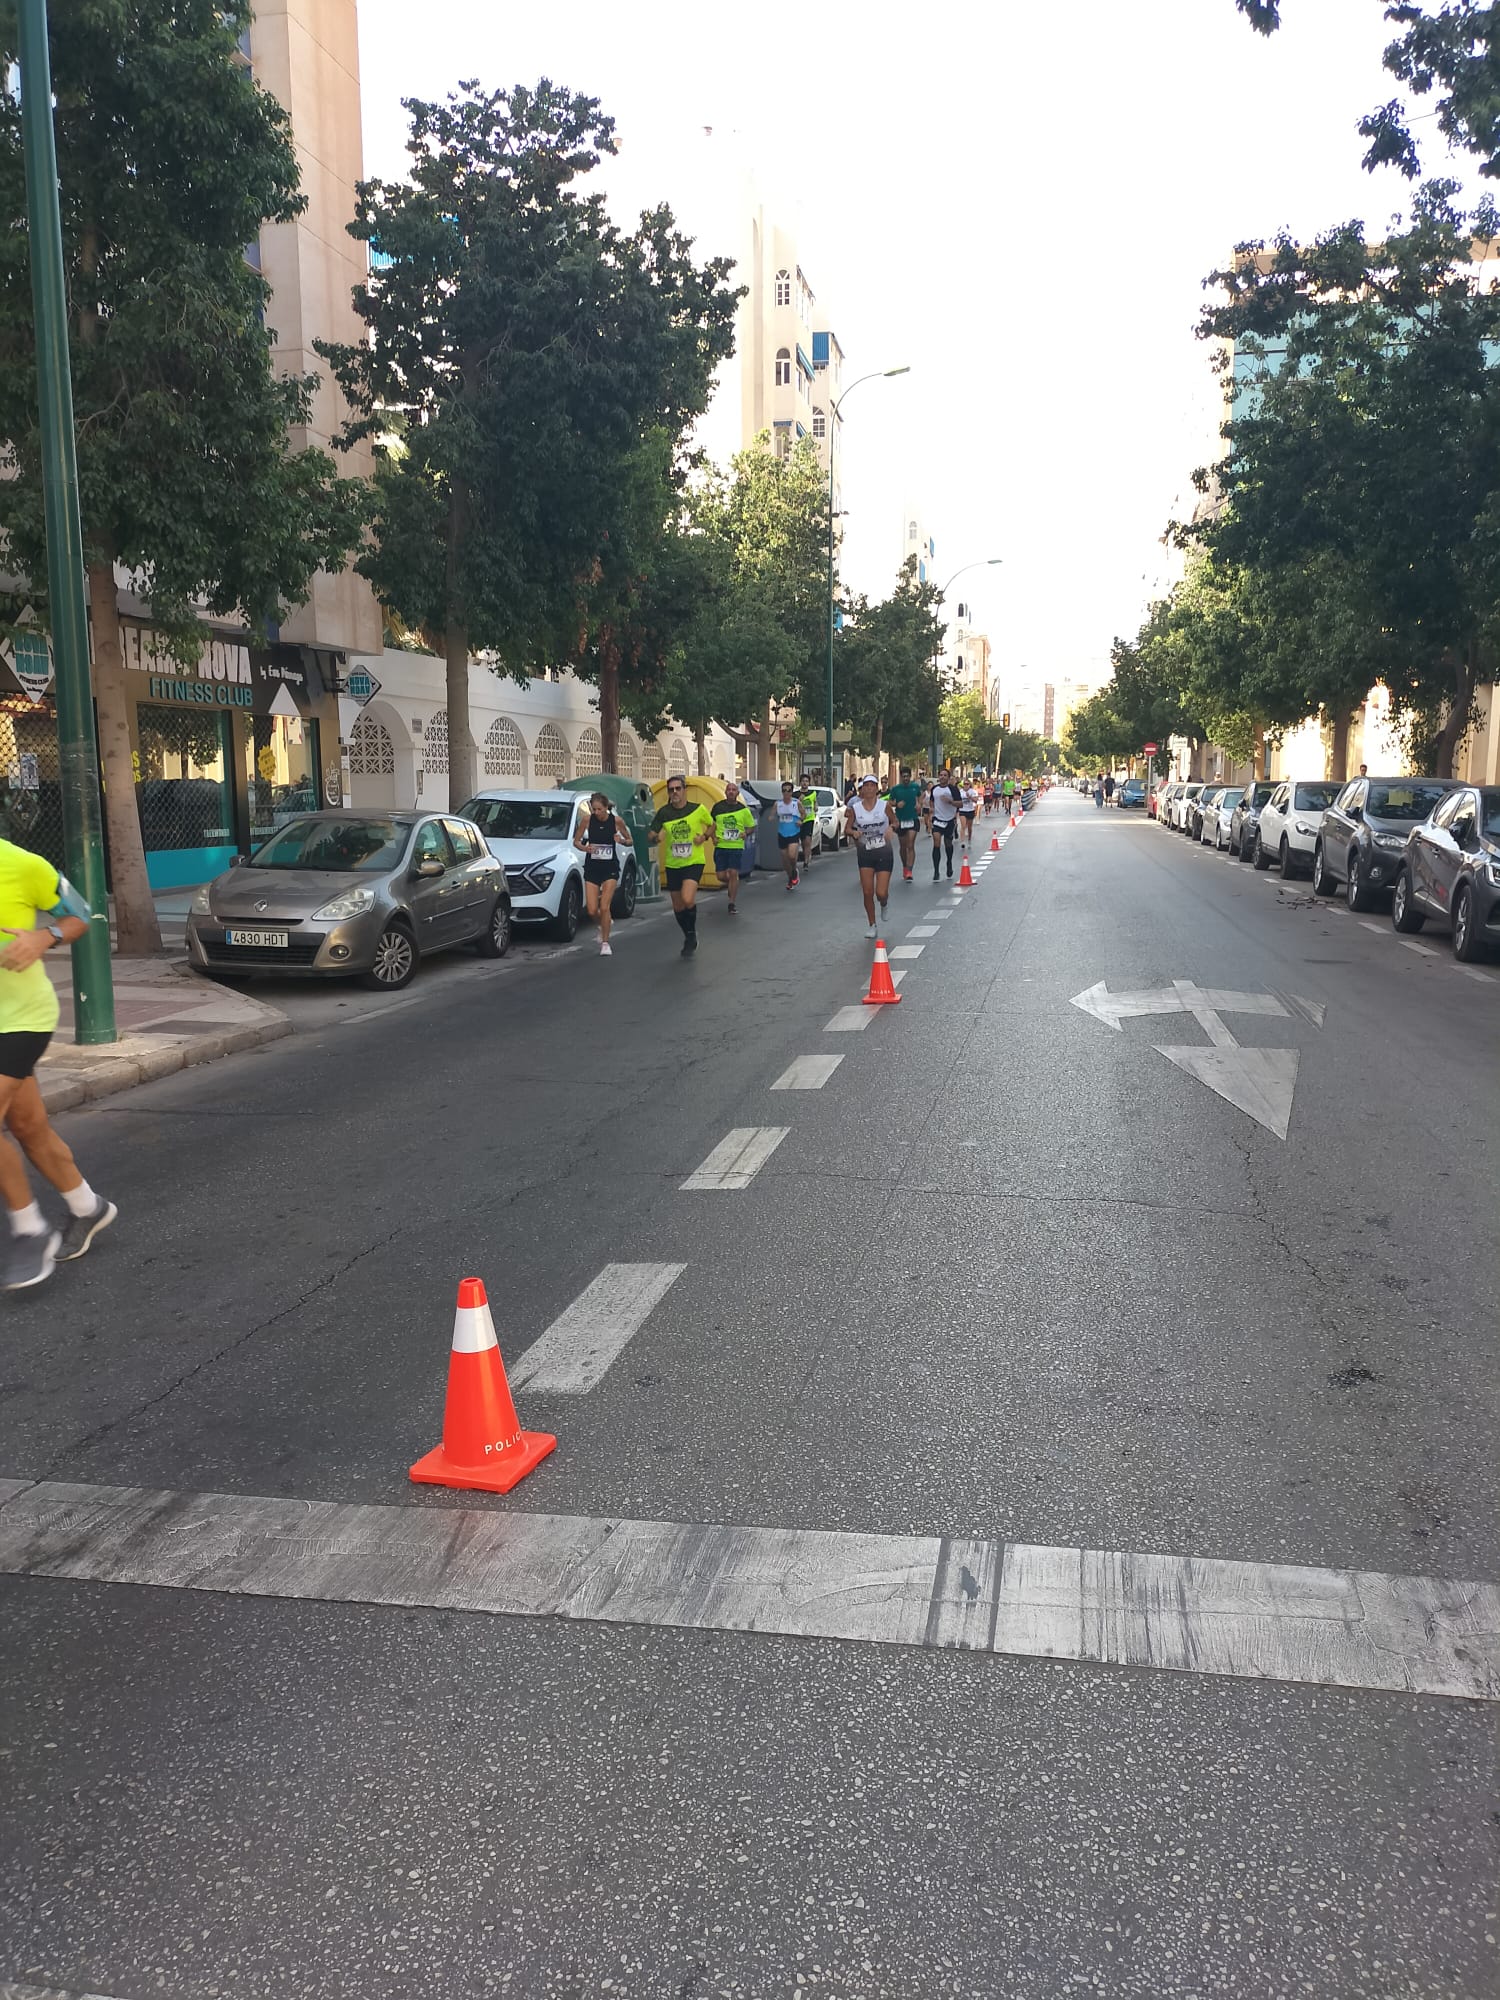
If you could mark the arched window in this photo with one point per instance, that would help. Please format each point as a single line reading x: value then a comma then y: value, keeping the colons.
x: 589, y: 756
x: 783, y: 367
x: 911, y: 533
x: 504, y: 750
x: 371, y: 752
x: 820, y: 423
x: 435, y: 746
x: 677, y: 757
x: 653, y: 764
x: 783, y: 288
x: 629, y: 758
x: 550, y: 759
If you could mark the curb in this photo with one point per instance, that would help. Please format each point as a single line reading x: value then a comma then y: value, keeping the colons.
x: 114, y: 1073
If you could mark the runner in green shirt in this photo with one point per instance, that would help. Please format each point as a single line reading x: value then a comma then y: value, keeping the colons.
x: 679, y: 833
x: 733, y: 822
x: 907, y: 799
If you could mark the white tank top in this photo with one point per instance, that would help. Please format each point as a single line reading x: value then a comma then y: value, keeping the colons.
x: 871, y: 826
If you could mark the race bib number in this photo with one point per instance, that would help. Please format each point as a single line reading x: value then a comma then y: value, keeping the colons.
x: 872, y: 840
x: 601, y: 854
x: 682, y: 850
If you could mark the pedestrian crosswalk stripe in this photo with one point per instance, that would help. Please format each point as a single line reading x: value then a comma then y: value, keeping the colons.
x: 1245, y: 1620
x: 581, y: 1344
x: 850, y: 1020
x: 737, y: 1159
x: 807, y: 1073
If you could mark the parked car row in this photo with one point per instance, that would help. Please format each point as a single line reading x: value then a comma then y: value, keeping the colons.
x: 1429, y: 847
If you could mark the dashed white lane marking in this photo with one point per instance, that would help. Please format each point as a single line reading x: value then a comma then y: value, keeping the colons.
x: 924, y: 930
x: 737, y: 1159
x: 807, y: 1073
x: 906, y: 951
x: 1423, y: 950
x: 850, y: 1020
x: 1473, y: 972
x: 897, y: 977
x: 937, y: 916
x: 581, y: 1344
x: 1254, y: 1621
x: 1379, y: 929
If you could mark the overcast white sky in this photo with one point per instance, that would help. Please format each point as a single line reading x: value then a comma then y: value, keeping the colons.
x: 1018, y: 200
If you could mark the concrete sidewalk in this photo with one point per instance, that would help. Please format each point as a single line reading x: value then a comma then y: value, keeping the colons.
x: 169, y: 1018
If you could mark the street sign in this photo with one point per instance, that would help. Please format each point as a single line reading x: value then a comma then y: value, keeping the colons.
x: 30, y: 660
x: 361, y: 685
x: 1148, y: 749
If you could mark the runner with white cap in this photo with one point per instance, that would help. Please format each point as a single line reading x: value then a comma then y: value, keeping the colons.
x: 870, y: 822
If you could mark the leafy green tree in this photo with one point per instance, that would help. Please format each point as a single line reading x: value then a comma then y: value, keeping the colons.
x: 961, y: 725
x: 887, y: 688
x: 522, y: 351
x: 170, y: 157
x: 1021, y: 750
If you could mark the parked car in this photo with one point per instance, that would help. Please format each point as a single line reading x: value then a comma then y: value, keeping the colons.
x: 1246, y: 816
x: 1167, y: 802
x: 1451, y: 871
x: 1192, y: 822
x: 1363, y: 836
x: 1213, y: 820
x: 1287, y: 830
x: 1188, y: 795
x: 335, y: 893
x: 1131, y: 793
x: 829, y: 823
x: 1154, y: 796
x: 531, y: 835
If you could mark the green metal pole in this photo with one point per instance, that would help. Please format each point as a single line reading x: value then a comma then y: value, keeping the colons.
x: 828, y: 713
x: 78, y: 757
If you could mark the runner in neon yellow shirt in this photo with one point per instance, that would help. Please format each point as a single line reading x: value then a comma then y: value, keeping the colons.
x: 682, y: 832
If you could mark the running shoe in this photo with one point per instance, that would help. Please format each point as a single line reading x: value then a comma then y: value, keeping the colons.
x: 606, y: 951
x: 884, y: 908
x: 732, y: 908
x: 80, y: 1230
x: 30, y: 1259
x: 871, y: 932
x: 907, y: 873
x: 689, y: 946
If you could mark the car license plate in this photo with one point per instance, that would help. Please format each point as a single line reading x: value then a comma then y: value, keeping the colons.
x: 272, y: 938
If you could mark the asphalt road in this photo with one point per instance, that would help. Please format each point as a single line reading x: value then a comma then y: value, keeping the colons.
x: 1011, y: 1274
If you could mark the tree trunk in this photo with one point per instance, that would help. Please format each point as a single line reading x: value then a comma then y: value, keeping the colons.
x: 1455, y: 726
x: 137, y: 931
x: 1338, y: 750
x: 609, y: 700
x: 879, y: 746
x: 767, y: 762
x: 1261, y: 767
x: 460, y: 742
x: 700, y: 737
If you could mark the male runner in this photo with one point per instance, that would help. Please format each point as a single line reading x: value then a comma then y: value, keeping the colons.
x: 679, y: 832
x: 808, y: 821
x: 788, y: 831
x: 733, y: 822
x: 1008, y: 793
x: 29, y: 1010
x: 907, y: 800
x: 942, y: 817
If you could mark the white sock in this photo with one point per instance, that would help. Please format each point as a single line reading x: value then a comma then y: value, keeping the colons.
x: 81, y: 1200
x: 27, y: 1221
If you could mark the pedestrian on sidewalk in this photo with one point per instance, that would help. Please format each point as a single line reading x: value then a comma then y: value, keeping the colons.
x: 31, y: 887
x: 680, y: 832
x: 870, y: 822
x: 733, y: 823
x: 1099, y: 791
x: 599, y: 839
x: 1109, y: 788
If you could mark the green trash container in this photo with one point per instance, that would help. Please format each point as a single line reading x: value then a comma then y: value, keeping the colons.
x: 634, y: 803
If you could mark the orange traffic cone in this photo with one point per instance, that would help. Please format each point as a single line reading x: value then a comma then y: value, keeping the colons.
x: 882, y: 991
x: 965, y: 879
x: 994, y: 843
x: 1012, y: 822
x: 484, y: 1446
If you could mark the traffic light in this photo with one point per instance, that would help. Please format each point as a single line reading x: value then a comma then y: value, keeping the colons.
x: 1005, y: 720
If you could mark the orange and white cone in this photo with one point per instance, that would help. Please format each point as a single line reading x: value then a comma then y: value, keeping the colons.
x: 994, y: 843
x: 965, y: 878
x: 882, y: 991
x: 484, y: 1447
x: 1012, y: 822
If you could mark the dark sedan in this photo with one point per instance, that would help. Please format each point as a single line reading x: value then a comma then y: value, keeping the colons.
x: 1451, y: 871
x: 348, y: 892
x: 1363, y: 835
x: 1246, y: 816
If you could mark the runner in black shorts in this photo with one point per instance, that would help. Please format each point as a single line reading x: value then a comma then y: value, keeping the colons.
x: 870, y: 822
x: 599, y: 839
x: 682, y: 831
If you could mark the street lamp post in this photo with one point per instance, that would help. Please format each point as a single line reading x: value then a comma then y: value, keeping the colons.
x: 981, y: 562
x: 78, y: 759
x: 836, y: 408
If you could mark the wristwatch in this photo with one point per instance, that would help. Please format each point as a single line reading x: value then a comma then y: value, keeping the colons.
x: 55, y: 932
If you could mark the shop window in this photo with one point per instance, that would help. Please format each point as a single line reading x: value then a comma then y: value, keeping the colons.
x: 504, y: 750
x: 183, y: 790
x: 550, y: 761
x: 653, y: 764
x: 281, y: 772
x: 589, y: 757
x: 629, y: 758
x: 30, y: 795
x: 435, y: 745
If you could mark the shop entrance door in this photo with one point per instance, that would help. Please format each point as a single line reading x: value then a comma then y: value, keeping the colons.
x: 184, y: 795
x: 281, y: 771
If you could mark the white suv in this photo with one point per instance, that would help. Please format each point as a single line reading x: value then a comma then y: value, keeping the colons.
x: 1287, y: 830
x: 531, y: 835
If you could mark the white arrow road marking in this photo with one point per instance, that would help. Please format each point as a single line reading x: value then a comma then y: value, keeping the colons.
x: 738, y: 1158
x: 1183, y: 997
x: 580, y: 1345
x: 1259, y: 1082
x: 807, y: 1073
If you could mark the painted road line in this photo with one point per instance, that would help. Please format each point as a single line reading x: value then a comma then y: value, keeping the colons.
x: 906, y: 951
x: 737, y: 1159
x: 1254, y: 1621
x: 850, y: 1020
x: 924, y: 930
x: 11, y: 1990
x: 1422, y: 950
x: 1380, y: 930
x: 1473, y: 972
x: 937, y: 916
x: 897, y: 977
x: 581, y: 1344
x: 807, y: 1073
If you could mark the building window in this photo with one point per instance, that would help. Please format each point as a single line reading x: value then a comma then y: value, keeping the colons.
x: 783, y: 367
x: 371, y: 751
x: 783, y: 441
x: 550, y: 761
x: 588, y: 760
x: 653, y: 764
x: 820, y: 423
x: 435, y: 745
x: 677, y: 757
x: 504, y: 750
x: 628, y: 756
x: 783, y: 288
x: 911, y: 533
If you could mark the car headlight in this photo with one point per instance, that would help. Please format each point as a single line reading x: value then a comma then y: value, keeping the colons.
x: 200, y: 905
x: 543, y: 877
x: 1492, y: 869
x: 351, y: 903
x: 1303, y: 827
x: 1395, y: 840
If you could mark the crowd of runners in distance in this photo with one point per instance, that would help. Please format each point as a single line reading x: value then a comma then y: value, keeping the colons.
x: 881, y: 818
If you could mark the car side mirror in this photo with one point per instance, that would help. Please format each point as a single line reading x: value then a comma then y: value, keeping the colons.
x: 428, y: 871
x: 239, y: 860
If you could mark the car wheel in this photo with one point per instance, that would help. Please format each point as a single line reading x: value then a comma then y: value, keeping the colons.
x: 1323, y: 883
x: 565, y: 924
x: 1466, y: 941
x: 395, y: 960
x: 1289, y: 867
x: 1357, y: 892
x: 622, y: 904
x: 1404, y: 912
x: 1259, y: 859
x: 494, y: 939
